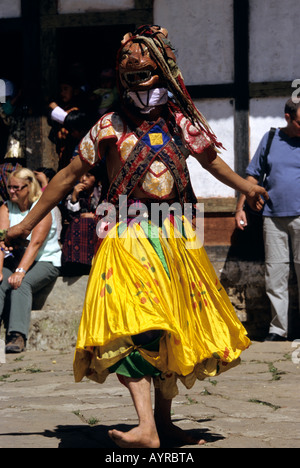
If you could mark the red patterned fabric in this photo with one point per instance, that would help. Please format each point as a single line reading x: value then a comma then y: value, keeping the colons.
x: 80, y: 239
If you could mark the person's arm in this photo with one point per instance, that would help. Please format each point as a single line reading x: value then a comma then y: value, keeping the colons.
x: 56, y: 190
x: 4, y: 224
x: 75, y: 194
x: 254, y: 193
x: 42, y: 179
x: 38, y: 237
x: 240, y: 214
x: 2, y: 255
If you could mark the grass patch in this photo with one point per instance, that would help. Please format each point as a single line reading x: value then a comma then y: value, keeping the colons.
x: 276, y: 374
x: 264, y: 403
x: 91, y: 421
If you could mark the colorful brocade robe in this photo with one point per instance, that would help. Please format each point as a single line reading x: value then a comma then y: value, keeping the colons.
x: 145, y: 277
x: 152, y: 158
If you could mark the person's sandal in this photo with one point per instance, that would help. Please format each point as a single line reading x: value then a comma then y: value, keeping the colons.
x: 15, y: 343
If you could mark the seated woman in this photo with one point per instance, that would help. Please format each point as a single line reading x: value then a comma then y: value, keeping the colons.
x: 26, y: 270
x: 80, y: 235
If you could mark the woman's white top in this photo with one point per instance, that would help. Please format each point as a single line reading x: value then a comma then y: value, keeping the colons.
x: 50, y: 250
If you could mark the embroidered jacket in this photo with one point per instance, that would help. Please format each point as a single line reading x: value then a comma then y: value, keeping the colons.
x: 152, y: 157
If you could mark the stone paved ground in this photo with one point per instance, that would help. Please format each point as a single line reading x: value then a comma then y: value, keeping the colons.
x: 255, y: 405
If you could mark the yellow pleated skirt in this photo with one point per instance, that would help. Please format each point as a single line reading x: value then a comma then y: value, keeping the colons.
x: 147, y: 278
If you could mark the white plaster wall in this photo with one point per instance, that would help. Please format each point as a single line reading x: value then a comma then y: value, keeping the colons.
x: 274, y: 31
x: 10, y: 8
x: 202, y: 33
x: 264, y: 114
x: 219, y: 114
x: 84, y: 6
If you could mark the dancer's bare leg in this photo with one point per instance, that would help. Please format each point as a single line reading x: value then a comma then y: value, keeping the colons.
x: 164, y: 424
x: 145, y: 434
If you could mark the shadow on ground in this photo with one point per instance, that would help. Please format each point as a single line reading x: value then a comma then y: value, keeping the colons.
x: 97, y: 436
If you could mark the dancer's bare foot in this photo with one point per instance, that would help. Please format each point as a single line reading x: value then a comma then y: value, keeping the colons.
x: 165, y: 428
x: 136, y: 438
x: 178, y: 435
x: 145, y: 434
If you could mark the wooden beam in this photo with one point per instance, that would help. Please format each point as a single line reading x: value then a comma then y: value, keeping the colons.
x: 105, y: 18
x: 241, y: 83
x: 220, y: 91
x: 31, y: 53
x: 271, y: 89
x: 143, y: 4
x: 228, y: 91
x: 218, y: 205
x: 9, y: 25
x: 49, y: 75
x: 48, y: 7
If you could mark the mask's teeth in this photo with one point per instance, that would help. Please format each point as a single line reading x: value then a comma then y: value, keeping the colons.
x: 137, y: 77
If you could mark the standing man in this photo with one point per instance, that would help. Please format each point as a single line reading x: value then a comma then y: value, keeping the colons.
x: 281, y: 174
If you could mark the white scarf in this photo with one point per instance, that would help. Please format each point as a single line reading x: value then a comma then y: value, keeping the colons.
x: 148, y: 100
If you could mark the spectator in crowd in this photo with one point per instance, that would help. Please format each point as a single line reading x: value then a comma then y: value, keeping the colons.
x: 106, y: 94
x: 72, y: 97
x: 12, y: 123
x: 77, y: 124
x: 44, y: 175
x: 12, y: 136
x: 79, y: 240
x: 29, y: 269
x: 9, y: 166
x: 280, y: 173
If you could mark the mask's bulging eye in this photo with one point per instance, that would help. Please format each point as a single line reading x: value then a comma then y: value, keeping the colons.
x: 125, y: 54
